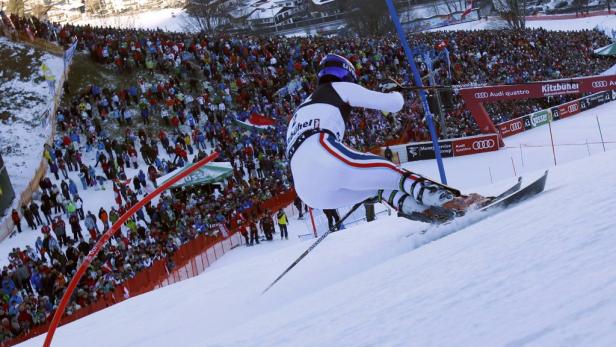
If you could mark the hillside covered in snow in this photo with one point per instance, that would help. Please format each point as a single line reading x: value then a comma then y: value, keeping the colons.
x: 24, y: 107
x: 538, y: 274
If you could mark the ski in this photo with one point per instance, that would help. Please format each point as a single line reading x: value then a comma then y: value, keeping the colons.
x: 510, y: 197
x: 526, y: 193
x: 509, y: 191
x: 449, y: 215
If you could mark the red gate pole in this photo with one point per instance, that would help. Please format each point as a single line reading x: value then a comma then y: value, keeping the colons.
x: 106, y: 236
x: 314, y: 227
x: 552, y: 139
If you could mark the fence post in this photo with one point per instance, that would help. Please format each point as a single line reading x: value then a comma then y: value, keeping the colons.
x: 600, y: 133
x: 521, y: 155
x: 314, y: 227
x: 513, y: 164
x: 490, y: 171
x: 552, y: 139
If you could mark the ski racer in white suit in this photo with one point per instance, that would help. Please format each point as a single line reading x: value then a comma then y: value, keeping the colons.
x: 327, y: 174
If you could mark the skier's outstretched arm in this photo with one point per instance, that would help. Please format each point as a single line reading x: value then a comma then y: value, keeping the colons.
x: 358, y: 96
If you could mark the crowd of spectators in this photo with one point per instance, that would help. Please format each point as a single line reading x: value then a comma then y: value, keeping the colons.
x: 206, y: 87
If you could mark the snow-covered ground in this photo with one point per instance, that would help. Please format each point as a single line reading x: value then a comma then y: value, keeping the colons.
x: 604, y: 23
x: 539, y: 274
x: 168, y: 19
x: 25, y: 98
x: 175, y: 19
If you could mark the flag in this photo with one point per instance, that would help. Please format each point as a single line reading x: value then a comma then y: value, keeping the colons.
x: 469, y: 8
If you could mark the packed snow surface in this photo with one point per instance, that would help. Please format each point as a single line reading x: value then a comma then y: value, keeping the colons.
x: 168, y: 19
x: 538, y: 274
x: 24, y: 100
x: 604, y: 23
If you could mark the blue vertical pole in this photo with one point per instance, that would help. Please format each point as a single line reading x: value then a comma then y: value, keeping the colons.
x: 422, y: 93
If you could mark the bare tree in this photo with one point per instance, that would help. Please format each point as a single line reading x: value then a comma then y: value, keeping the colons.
x: 16, y: 7
x: 581, y: 6
x: 205, y: 15
x: 452, y: 6
x: 93, y: 6
x: 512, y: 11
x: 367, y: 17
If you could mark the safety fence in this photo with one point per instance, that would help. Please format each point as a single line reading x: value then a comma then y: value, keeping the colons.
x: 189, y: 260
x: 600, y: 12
x: 196, y: 256
x: 548, y: 115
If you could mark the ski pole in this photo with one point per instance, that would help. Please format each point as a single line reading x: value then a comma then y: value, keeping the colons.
x: 355, y: 207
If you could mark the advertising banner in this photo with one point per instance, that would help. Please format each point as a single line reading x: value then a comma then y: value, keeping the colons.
x: 453, y: 147
x: 474, y: 145
x: 68, y: 54
x: 514, y: 126
x: 566, y: 110
x: 518, y: 125
x: 539, y: 118
x: 598, y: 99
x: 425, y: 150
x: 592, y: 84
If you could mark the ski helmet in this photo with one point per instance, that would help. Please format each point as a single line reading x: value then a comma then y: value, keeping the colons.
x: 334, y: 67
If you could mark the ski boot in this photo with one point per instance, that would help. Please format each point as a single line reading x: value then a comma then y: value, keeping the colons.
x: 464, y: 203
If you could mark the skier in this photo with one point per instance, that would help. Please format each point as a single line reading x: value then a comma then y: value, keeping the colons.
x: 328, y: 174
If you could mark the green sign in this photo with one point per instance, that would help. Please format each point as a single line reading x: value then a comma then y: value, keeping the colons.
x: 209, y: 173
x: 539, y: 118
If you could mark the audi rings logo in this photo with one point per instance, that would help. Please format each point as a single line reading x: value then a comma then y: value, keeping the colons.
x: 514, y: 127
x: 483, y: 144
x: 572, y: 108
x: 481, y: 95
x: 599, y: 84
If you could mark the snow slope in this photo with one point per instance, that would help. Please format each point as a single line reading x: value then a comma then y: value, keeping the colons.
x: 539, y: 274
x: 25, y: 98
x: 168, y: 19
x: 604, y: 23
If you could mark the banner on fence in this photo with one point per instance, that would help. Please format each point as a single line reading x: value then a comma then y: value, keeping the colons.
x: 68, y: 55
x: 539, y: 118
x: 591, y: 84
x: 514, y: 126
x: 425, y: 150
x: 566, y: 110
x: 453, y: 147
x: 475, y: 144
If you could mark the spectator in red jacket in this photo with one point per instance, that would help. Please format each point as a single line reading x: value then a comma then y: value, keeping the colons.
x: 16, y: 219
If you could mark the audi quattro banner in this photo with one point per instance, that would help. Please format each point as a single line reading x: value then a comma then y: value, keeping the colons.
x: 514, y: 126
x: 592, y: 84
x: 474, y: 145
x: 453, y: 147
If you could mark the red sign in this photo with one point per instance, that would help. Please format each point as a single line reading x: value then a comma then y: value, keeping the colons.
x: 474, y: 145
x: 568, y: 109
x: 511, y: 127
x: 592, y: 84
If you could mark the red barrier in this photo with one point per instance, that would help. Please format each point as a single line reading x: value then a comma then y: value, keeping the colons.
x: 474, y: 97
x: 191, y: 259
x: 567, y: 110
x: 569, y: 15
